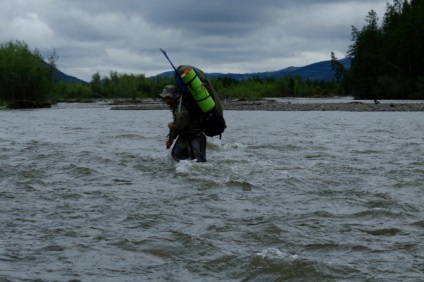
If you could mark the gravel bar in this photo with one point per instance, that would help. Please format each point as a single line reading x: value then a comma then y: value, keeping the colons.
x: 278, y: 106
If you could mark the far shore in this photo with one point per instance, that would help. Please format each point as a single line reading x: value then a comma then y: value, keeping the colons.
x: 271, y: 105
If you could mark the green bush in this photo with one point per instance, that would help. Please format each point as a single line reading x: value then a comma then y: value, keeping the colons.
x: 24, y: 75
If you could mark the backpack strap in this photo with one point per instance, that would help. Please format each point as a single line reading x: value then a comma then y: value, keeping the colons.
x: 180, y: 102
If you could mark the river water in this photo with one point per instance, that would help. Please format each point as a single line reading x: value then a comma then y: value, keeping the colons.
x: 90, y: 194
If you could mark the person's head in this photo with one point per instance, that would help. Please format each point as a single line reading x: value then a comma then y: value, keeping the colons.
x: 169, y: 94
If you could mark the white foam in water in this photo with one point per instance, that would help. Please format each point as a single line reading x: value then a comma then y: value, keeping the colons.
x: 234, y: 146
x: 216, y: 143
x: 273, y: 253
x: 184, y: 166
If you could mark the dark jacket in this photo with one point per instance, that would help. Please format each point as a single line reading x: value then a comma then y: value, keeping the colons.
x: 187, y: 119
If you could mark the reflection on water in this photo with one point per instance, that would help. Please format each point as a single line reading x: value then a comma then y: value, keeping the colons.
x: 91, y: 194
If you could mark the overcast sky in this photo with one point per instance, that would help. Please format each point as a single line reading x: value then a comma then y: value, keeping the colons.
x: 238, y: 36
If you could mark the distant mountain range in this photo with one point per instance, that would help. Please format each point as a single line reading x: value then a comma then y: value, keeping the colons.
x: 60, y: 76
x: 317, y: 71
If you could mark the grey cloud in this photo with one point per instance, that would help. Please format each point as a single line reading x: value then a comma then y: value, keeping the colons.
x: 230, y: 35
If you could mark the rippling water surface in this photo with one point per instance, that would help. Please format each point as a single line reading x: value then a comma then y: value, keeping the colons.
x: 90, y: 194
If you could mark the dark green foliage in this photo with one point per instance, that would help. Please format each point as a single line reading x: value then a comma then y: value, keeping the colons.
x: 64, y: 91
x: 137, y: 86
x: 115, y: 86
x: 270, y: 87
x: 24, y: 76
x: 127, y: 85
x: 387, y: 60
x: 342, y: 75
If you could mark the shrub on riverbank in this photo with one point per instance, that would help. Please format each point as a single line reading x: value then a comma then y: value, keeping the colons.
x: 25, y: 78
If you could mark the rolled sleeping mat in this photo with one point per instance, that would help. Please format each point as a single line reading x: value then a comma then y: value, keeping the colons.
x: 197, y: 90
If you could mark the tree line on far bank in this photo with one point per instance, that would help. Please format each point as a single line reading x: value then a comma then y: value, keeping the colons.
x: 386, y: 63
x: 387, y: 60
x: 26, y: 80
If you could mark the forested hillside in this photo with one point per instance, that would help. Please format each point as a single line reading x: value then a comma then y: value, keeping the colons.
x: 387, y: 59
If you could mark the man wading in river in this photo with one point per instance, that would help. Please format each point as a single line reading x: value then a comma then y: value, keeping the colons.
x: 185, y: 128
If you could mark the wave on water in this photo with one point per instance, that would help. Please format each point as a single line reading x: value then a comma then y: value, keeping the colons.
x: 227, y: 165
x: 276, y: 254
x: 93, y: 194
x: 218, y: 145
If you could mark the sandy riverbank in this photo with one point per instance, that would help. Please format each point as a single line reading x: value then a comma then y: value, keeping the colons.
x: 270, y: 105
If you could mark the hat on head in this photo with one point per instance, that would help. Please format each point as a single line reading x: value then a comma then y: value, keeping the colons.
x: 169, y: 91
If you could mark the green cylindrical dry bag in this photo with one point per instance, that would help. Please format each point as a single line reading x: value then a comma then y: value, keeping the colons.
x: 197, y: 90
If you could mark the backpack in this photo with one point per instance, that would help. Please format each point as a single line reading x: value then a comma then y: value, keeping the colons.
x: 212, y: 122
